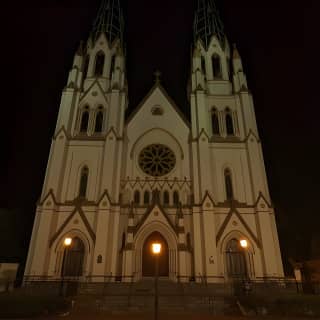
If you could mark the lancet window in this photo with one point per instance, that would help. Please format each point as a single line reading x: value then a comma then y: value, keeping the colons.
x: 215, y: 122
x: 229, y: 123
x: 99, y: 65
x: 228, y: 184
x: 83, y: 182
x: 84, y: 120
x: 99, y: 121
x: 216, y: 67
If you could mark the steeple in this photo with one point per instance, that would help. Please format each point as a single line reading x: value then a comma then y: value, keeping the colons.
x: 207, y: 23
x: 109, y: 21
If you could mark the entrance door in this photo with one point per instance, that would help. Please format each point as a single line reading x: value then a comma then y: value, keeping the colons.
x: 72, y: 264
x: 148, y: 259
x: 236, y: 260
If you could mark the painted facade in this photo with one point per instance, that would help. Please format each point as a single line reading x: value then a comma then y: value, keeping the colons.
x: 111, y: 182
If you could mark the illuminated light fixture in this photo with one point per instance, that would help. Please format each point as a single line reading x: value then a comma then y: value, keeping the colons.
x: 156, y: 248
x: 244, y: 243
x: 67, y: 241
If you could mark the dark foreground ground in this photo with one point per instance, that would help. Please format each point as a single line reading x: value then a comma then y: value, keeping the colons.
x: 164, y: 317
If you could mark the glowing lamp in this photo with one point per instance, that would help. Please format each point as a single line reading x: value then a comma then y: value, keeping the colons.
x: 244, y: 243
x: 156, y: 248
x: 67, y: 242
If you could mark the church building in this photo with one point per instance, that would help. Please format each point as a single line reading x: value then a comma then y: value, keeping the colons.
x: 114, y: 185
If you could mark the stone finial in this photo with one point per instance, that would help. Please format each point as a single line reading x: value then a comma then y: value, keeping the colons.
x: 157, y: 75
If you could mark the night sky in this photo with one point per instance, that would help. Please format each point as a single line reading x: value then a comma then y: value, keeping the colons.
x: 278, y: 45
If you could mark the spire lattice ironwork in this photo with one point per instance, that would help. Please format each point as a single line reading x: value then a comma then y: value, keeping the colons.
x: 109, y: 21
x: 207, y: 22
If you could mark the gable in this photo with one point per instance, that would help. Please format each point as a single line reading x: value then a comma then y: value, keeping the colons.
x: 157, y: 107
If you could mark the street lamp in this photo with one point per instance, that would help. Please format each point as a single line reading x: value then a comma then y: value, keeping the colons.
x: 156, y: 250
x: 244, y: 243
x: 66, y: 244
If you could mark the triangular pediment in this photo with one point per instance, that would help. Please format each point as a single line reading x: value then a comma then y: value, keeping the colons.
x: 96, y: 92
x: 262, y: 204
x: 104, y: 201
x: 75, y: 220
x: 155, y: 214
x: 49, y: 200
x: 208, y: 202
x: 235, y: 222
x: 158, y: 89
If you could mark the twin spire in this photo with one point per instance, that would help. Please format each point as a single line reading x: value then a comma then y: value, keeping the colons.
x: 109, y: 21
x: 207, y: 23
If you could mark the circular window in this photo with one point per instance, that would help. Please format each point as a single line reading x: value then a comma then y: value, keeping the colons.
x: 157, y: 160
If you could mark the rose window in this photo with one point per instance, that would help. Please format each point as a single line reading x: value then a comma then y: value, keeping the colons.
x: 157, y: 160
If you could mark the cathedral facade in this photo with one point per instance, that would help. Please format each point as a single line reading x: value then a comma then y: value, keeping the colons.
x: 116, y: 184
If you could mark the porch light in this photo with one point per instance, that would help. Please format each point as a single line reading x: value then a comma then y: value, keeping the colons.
x: 244, y: 243
x: 67, y: 242
x: 156, y: 248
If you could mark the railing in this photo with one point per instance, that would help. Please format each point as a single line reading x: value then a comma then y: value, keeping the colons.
x: 211, y: 286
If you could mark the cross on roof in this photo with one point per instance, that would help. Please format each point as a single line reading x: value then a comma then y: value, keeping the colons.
x: 157, y: 75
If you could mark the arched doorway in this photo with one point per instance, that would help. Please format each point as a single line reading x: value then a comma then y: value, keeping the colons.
x: 236, y: 260
x: 148, y: 259
x: 73, y: 256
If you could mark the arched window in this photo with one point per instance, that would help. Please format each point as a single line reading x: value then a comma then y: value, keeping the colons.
x: 136, y: 197
x: 99, y: 121
x: 166, y: 198
x: 83, y: 182
x: 84, y: 120
x: 215, y: 122
x: 176, y: 198
x: 236, y: 260
x: 146, y: 197
x: 98, y: 69
x: 229, y: 123
x: 216, y: 67
x: 203, y: 66
x: 86, y: 66
x: 228, y: 184
x: 112, y: 65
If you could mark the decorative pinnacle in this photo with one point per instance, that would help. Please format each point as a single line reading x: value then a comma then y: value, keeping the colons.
x: 207, y: 23
x: 109, y: 20
x: 157, y: 75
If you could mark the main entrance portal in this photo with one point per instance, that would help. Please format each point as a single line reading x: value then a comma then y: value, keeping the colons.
x: 148, y: 259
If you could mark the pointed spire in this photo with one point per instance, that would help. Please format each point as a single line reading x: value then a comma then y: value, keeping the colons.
x: 207, y: 23
x: 109, y: 20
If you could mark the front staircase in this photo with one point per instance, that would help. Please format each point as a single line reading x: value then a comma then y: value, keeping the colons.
x: 172, y: 297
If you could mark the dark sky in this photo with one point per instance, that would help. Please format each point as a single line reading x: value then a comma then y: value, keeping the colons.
x: 278, y: 44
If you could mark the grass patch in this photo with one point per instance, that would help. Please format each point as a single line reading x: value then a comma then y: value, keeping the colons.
x: 21, y: 305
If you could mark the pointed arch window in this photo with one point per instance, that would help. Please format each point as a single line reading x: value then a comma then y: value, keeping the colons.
x: 84, y: 120
x: 86, y: 66
x: 176, y: 198
x: 229, y: 123
x: 146, y: 197
x: 83, y: 182
x: 112, y: 65
x: 136, y: 197
x: 216, y: 67
x: 99, y: 121
x: 166, y: 199
x: 98, y: 68
x: 215, y: 122
x: 228, y: 184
